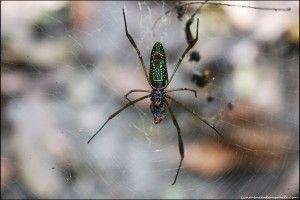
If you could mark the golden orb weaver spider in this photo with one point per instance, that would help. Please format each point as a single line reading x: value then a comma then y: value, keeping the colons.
x: 158, y: 80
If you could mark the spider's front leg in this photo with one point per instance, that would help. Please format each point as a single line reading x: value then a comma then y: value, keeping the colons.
x: 194, y: 113
x: 118, y: 112
x: 180, y: 143
x: 137, y: 90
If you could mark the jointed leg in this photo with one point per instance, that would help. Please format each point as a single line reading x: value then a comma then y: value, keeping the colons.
x: 181, y: 89
x: 180, y: 143
x: 136, y: 48
x: 116, y: 113
x: 189, y: 36
x: 131, y: 91
x: 185, y: 52
x: 195, y: 114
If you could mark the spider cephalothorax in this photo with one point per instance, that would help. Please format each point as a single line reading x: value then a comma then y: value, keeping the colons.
x: 157, y: 105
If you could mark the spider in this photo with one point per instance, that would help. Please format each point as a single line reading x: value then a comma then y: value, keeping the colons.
x: 158, y: 81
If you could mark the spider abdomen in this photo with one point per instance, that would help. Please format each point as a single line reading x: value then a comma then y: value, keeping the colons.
x: 158, y: 66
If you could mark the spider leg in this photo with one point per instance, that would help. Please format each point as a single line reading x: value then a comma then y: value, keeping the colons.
x: 193, y: 42
x: 131, y: 91
x: 136, y: 48
x: 180, y: 143
x: 118, y: 112
x: 195, y: 114
x: 181, y: 89
x: 189, y: 36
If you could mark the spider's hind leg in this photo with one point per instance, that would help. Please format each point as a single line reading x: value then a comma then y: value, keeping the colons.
x: 191, y: 44
x: 136, y: 48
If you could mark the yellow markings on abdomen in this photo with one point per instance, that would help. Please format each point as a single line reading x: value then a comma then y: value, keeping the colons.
x: 158, y: 74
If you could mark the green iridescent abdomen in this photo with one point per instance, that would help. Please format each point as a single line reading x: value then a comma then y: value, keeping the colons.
x: 158, y: 67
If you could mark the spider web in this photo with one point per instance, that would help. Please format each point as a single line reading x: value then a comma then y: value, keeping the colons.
x: 60, y: 82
